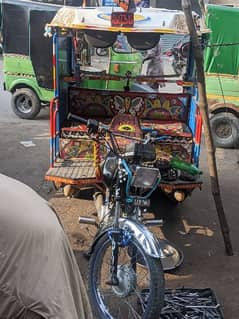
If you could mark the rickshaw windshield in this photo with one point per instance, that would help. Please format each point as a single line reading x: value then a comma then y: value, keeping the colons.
x: 155, y: 51
x: 166, y: 56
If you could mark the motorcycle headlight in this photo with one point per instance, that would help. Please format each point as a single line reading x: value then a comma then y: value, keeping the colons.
x: 145, y: 177
x: 109, y: 166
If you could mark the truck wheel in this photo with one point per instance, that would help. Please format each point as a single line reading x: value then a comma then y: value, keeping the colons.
x: 225, y: 130
x: 25, y: 103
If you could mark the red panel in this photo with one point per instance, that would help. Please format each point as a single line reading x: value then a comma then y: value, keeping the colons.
x: 198, y: 132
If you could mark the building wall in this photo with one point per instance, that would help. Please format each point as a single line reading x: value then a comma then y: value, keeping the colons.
x: 225, y: 2
x: 176, y: 4
x: 173, y: 4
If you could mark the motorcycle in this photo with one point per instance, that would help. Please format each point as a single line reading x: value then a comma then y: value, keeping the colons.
x: 126, y: 276
x: 179, y: 54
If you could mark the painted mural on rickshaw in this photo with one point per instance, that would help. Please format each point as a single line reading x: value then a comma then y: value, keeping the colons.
x: 152, y: 106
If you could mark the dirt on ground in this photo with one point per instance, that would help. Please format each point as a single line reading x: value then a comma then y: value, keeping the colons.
x: 81, y: 236
x: 192, y: 226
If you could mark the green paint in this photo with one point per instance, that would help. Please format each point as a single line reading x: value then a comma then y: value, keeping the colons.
x: 18, y: 71
x: 222, y: 55
x: 125, y: 62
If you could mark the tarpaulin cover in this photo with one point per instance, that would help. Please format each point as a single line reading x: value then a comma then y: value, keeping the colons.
x: 38, y: 271
x: 222, y: 55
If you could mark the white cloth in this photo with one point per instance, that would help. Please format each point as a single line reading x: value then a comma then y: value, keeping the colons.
x: 38, y: 270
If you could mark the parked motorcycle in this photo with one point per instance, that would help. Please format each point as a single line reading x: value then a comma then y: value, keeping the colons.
x: 126, y: 277
x: 179, y: 55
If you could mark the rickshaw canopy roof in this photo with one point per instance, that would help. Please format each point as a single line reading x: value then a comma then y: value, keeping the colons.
x: 146, y: 20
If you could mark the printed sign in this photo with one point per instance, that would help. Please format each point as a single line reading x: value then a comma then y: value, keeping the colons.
x: 122, y: 19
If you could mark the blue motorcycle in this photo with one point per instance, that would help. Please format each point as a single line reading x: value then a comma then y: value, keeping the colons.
x: 126, y: 275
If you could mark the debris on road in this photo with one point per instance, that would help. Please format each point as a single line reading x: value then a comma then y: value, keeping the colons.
x: 191, y: 304
x: 27, y: 143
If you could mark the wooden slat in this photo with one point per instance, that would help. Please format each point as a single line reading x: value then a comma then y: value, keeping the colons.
x: 75, y: 169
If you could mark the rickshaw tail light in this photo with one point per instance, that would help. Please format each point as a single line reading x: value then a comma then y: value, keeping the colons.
x: 116, y: 68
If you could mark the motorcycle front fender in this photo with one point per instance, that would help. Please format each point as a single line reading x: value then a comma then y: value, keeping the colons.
x: 146, y: 239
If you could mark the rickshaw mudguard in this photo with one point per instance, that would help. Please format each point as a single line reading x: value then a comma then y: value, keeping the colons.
x: 147, y: 240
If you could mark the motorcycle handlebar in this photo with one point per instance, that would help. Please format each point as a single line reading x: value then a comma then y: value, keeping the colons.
x: 94, y: 126
x: 77, y: 118
x: 90, y: 123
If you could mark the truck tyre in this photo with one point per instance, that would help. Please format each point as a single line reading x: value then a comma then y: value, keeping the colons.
x: 25, y: 103
x: 225, y: 130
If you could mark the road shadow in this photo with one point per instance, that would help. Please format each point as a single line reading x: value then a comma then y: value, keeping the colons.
x: 44, y: 114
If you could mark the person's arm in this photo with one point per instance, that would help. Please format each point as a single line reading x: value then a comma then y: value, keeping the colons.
x: 152, y: 53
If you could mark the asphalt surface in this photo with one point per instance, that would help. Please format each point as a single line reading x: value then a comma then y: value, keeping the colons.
x: 27, y: 164
x: 193, y: 226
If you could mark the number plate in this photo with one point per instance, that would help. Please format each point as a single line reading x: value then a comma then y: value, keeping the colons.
x: 141, y: 202
x: 122, y: 19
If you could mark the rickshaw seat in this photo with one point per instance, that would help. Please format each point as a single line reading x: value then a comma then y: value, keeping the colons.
x: 145, y: 105
x: 164, y: 112
x: 126, y: 124
x: 132, y: 113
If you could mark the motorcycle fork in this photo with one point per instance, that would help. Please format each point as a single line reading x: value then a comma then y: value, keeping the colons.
x: 115, y: 238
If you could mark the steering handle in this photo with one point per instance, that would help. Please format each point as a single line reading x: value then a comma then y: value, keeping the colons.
x: 77, y: 118
x: 93, y: 125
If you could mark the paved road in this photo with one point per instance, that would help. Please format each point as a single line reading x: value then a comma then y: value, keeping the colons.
x: 193, y: 225
x: 26, y: 164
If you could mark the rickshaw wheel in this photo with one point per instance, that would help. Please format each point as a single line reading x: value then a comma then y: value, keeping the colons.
x: 25, y: 103
x: 225, y: 130
x: 170, y: 198
x: 68, y: 190
x: 57, y: 185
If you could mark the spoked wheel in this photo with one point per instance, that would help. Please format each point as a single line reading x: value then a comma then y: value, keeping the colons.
x: 140, y: 292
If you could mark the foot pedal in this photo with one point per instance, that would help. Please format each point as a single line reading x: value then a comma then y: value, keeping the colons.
x: 87, y: 220
x: 153, y: 222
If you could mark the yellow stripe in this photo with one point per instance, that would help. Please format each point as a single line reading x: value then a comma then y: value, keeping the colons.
x: 221, y: 75
x: 54, y: 77
x: 227, y: 98
x: 116, y: 29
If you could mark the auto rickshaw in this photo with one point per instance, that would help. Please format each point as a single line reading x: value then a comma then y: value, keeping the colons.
x: 25, y: 75
x: 120, y: 93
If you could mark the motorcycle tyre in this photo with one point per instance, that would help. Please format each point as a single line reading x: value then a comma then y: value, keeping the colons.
x: 156, y: 298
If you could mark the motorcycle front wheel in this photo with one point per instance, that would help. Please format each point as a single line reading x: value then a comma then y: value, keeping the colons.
x: 140, y: 292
